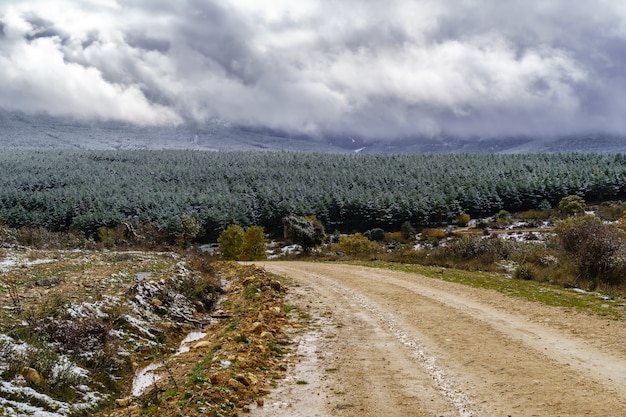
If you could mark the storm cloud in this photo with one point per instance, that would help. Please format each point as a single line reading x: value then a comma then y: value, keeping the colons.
x: 375, y: 69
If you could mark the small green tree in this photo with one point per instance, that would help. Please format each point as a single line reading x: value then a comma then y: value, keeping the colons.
x: 572, y: 205
x: 503, y: 217
x: 463, y: 219
x: 408, y: 231
x: 183, y: 229
x: 376, y: 234
x: 303, y: 231
x: 253, y: 247
x: 231, y: 242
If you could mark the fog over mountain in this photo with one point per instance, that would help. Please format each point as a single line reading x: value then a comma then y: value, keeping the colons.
x: 390, y: 72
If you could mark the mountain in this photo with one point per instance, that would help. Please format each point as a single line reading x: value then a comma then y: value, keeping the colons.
x: 25, y: 131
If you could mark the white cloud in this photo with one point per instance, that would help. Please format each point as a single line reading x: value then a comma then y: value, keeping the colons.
x: 378, y: 68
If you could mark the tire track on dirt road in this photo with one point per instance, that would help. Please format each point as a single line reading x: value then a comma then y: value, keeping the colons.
x: 410, y: 345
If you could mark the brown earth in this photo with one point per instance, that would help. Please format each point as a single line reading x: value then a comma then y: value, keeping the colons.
x: 397, y: 344
x: 237, y: 362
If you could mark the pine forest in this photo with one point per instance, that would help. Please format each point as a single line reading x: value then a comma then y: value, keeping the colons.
x: 83, y: 191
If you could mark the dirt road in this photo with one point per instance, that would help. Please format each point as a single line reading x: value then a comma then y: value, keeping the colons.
x: 387, y: 343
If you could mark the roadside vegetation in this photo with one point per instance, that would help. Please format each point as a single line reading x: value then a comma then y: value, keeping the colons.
x: 76, y: 325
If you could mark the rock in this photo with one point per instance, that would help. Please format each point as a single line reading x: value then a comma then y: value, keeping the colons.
x: 265, y: 335
x: 276, y: 286
x: 260, y: 402
x: 257, y: 327
x: 236, y: 385
x: 124, y: 402
x: 202, y: 344
x: 32, y: 375
x: 275, y: 310
x: 247, y: 380
x: 246, y: 409
x: 248, y: 281
x: 157, y: 302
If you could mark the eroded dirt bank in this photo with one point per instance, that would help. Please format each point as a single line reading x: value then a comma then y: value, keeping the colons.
x: 396, y: 344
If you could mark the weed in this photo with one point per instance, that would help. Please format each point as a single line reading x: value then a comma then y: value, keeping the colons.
x: 16, y: 299
x: 197, y: 373
x: 289, y: 308
x: 55, y: 305
x: 525, y: 272
x: 276, y: 348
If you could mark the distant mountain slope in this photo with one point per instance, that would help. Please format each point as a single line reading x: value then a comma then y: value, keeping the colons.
x: 19, y: 130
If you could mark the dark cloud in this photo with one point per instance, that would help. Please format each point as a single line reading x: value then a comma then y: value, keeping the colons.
x: 220, y: 36
x: 143, y: 41
x: 376, y: 69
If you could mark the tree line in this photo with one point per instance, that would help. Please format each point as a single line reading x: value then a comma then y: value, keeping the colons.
x: 84, y: 191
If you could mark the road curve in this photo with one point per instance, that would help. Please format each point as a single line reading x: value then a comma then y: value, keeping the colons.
x: 398, y: 344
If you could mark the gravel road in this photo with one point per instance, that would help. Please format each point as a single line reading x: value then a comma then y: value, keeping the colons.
x: 385, y: 343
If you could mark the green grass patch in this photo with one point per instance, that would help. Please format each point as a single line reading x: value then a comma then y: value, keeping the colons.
x: 197, y: 373
x: 544, y: 293
x: 289, y: 308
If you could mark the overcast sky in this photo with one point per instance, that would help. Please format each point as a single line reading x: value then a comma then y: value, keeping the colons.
x: 372, y: 68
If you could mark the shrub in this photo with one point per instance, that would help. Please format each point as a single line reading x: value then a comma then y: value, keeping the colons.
x: 433, y: 236
x: 357, y: 244
x: 571, y: 205
x: 408, y: 231
x: 463, y: 219
x: 306, y: 232
x: 596, y: 249
x: 377, y: 235
x: 114, y: 236
x: 254, y: 242
x: 525, y: 272
x: 503, y: 218
x: 470, y: 247
x: 183, y: 229
x: 231, y: 242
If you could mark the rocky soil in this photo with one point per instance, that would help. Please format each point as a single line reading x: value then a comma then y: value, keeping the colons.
x: 84, y: 332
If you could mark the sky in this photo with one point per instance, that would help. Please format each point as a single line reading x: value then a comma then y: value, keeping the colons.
x: 374, y: 69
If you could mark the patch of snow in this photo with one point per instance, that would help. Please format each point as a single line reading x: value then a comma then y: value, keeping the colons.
x: 15, y: 259
x: 65, y: 365
x: 85, y: 309
x: 142, y: 276
x: 291, y: 249
x: 191, y: 337
x: 139, y: 325
x: 62, y: 408
x: 145, y: 378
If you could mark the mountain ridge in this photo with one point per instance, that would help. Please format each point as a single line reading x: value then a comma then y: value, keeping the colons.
x: 18, y: 130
